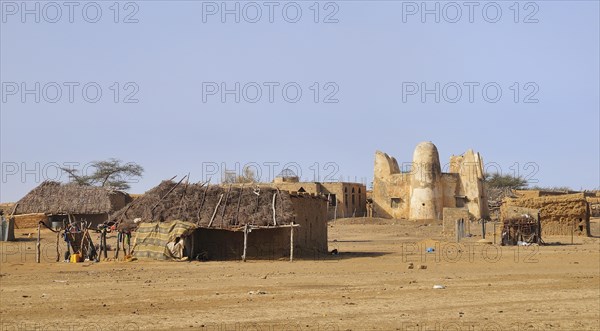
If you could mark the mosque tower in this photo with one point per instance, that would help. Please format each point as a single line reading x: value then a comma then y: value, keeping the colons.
x: 426, y: 200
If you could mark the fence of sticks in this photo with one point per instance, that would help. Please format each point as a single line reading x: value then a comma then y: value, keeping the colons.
x: 209, y: 206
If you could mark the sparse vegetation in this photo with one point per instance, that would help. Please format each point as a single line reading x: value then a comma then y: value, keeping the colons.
x: 247, y: 176
x: 553, y: 188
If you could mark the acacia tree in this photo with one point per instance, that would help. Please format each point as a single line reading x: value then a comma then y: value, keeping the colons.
x: 110, y: 173
x: 497, y: 180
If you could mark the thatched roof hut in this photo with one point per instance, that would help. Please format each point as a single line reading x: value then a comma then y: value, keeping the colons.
x: 229, y: 207
x: 53, y: 198
x: 218, y: 221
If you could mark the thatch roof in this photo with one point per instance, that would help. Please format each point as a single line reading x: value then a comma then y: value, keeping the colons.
x: 197, y: 203
x: 56, y: 198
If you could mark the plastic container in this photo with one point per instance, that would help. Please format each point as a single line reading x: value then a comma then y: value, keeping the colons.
x: 75, y: 258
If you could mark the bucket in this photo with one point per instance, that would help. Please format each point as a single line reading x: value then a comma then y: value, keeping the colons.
x: 75, y: 258
x: 56, y: 225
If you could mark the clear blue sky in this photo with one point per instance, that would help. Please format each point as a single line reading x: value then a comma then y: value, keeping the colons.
x: 373, y: 49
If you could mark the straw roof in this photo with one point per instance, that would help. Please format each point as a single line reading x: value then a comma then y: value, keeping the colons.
x: 56, y: 198
x: 197, y: 203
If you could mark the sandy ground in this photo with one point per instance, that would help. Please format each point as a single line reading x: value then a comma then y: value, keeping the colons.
x: 368, y: 286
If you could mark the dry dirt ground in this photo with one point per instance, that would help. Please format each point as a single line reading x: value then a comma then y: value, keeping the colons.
x: 368, y: 286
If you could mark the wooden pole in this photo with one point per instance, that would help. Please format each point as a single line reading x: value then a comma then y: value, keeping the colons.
x: 483, y: 228
x: 539, y: 225
x: 257, y: 192
x: 215, y: 212
x: 273, y: 205
x: 164, y: 196
x: 187, y: 182
x: 237, y: 214
x: 203, y: 199
x: 225, y: 206
x: 37, y: 246
x: 12, y: 213
x: 118, y: 242
x: 67, y: 241
x: 245, y: 242
x: 125, y: 251
x: 57, y: 243
x: 292, y: 242
x: 103, y: 238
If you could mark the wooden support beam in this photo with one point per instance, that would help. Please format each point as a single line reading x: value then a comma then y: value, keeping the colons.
x: 292, y: 242
x: 274, y: 216
x: 482, y: 228
x: 215, y: 212
x: 166, y: 194
x: 37, y: 246
x: 103, y: 248
x: 252, y: 227
x: 57, y: 243
x: 13, y: 211
x: 237, y: 214
x: 539, y: 228
x: 245, y: 242
x: 187, y: 182
x: 126, y: 237
x: 203, y: 199
x: 119, y: 234
x: 257, y: 192
x: 225, y: 206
